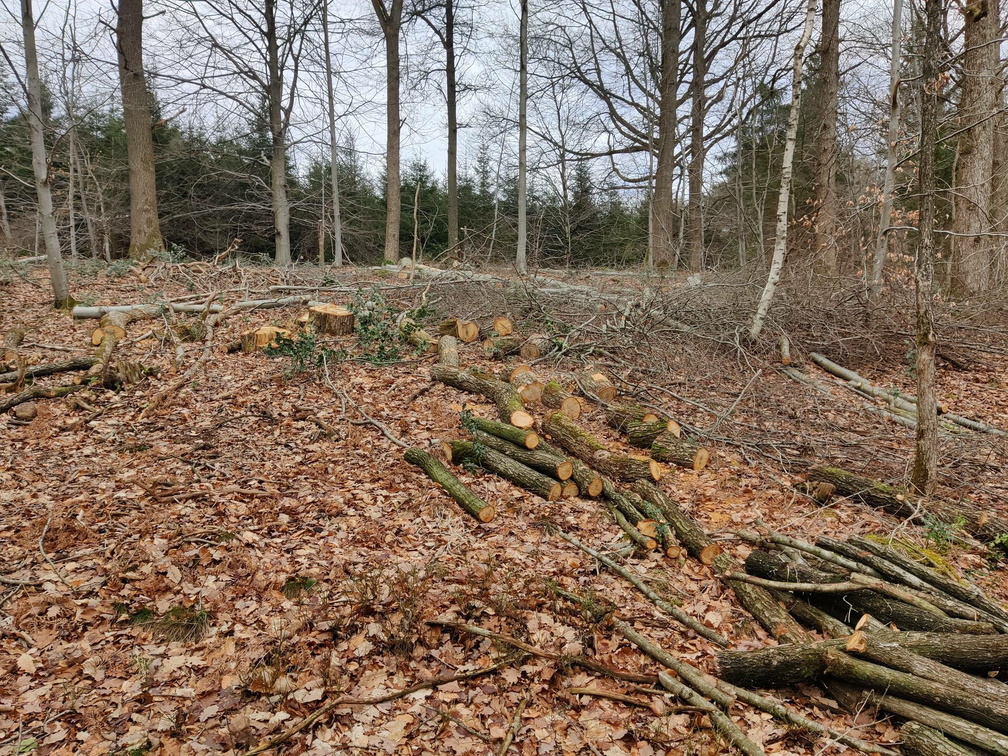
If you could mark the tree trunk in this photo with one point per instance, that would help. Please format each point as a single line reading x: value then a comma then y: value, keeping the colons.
x: 924, y: 475
x: 4, y: 221
x: 784, y: 197
x: 889, y: 183
x: 337, y: 221
x: 921, y: 740
x: 451, y: 95
x: 698, y: 112
x: 971, y: 246
x: 145, y: 233
x: 662, y: 219
x: 520, y: 262
x: 71, y: 217
x: 278, y: 133
x: 826, y: 200
x: 40, y: 161
x: 391, y: 25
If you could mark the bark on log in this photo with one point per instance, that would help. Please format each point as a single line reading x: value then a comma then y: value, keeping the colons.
x: 644, y: 542
x: 793, y: 663
x: 759, y: 602
x: 965, y: 592
x: 415, y: 335
x: 921, y: 740
x: 984, y: 524
x: 448, y: 353
x: 668, y: 448
x: 528, y: 439
x: 589, y: 449
x: 976, y: 708
x: 455, y: 488
x: 332, y: 320
x: 886, y: 610
x: 556, y: 397
x: 589, y: 483
x: 503, y: 465
x: 596, y: 383
x: 103, y: 357
x: 556, y: 467
x: 536, y: 346
x: 36, y: 392
x: 642, y: 434
x: 500, y: 347
x: 146, y: 311
x: 510, y: 407
x: 619, y: 416
x: 892, y: 655
x: 63, y: 366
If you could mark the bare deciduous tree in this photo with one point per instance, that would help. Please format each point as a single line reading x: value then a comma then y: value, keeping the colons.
x: 390, y: 19
x: 826, y: 200
x: 520, y: 262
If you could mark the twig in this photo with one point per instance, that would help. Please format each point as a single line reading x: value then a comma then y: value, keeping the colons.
x: 513, y: 729
x: 368, y: 420
x: 15, y: 581
x: 338, y: 702
x: 46, y: 556
x: 612, y: 695
x: 721, y: 417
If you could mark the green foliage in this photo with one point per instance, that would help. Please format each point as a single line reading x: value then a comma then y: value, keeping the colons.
x: 375, y: 326
x: 119, y: 268
x: 183, y: 624
x: 297, y: 586
x: 941, y: 533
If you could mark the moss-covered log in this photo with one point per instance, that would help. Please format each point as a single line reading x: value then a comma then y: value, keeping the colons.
x: 499, y: 347
x: 595, y: 383
x: 523, y: 437
x: 556, y: 467
x: 455, y: 488
x: 568, y: 435
x: 668, y: 448
x: 642, y: 434
x: 510, y: 407
x: 843, y: 605
x: 503, y: 465
x: 921, y: 740
x: 619, y: 416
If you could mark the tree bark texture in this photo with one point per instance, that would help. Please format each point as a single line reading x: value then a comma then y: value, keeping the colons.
x: 390, y: 19
x: 278, y: 137
x: 663, y: 223
x: 826, y: 199
x: 520, y: 261
x: 971, y: 246
x: 698, y: 113
x: 40, y: 160
x: 145, y: 232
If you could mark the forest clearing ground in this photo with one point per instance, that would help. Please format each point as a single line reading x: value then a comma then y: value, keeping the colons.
x: 222, y: 567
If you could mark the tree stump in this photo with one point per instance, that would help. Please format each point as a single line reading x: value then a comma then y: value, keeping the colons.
x: 261, y: 337
x: 448, y: 351
x: 332, y: 320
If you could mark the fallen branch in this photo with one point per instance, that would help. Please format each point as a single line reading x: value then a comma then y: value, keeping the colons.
x: 63, y: 366
x: 37, y: 392
x: 455, y: 488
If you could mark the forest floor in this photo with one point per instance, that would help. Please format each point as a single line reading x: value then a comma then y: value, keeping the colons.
x: 202, y: 577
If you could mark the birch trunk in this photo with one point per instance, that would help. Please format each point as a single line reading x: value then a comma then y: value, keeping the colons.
x: 520, y: 263
x: 783, y: 199
x: 337, y: 221
x: 889, y: 183
x: 40, y: 162
x: 925, y: 465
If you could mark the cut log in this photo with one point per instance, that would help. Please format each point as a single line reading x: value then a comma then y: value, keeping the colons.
x: 62, y: 366
x: 568, y: 435
x: 103, y: 356
x: 332, y: 319
x: 921, y: 740
x: 464, y: 330
x: 528, y: 386
x: 975, y: 707
x: 510, y: 407
x: 503, y: 326
x: 984, y: 524
x: 556, y: 467
x: 589, y: 483
x: 643, y: 434
x: 619, y: 416
x: 455, y: 488
x: 528, y: 439
x: 448, y: 353
x: 36, y: 392
x: 411, y: 331
x: 668, y: 448
x: 536, y: 346
x: 785, y: 350
x: 503, y: 465
x: 794, y: 663
x: 570, y: 490
x: 596, y: 383
x: 262, y: 337
x: 115, y: 322
x: 643, y: 542
x: 556, y: 397
x: 499, y: 347
x: 893, y: 655
x: 508, y: 374
x: 842, y: 605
